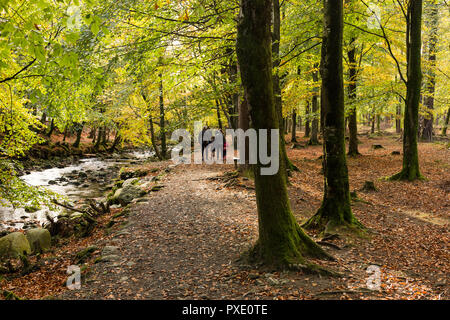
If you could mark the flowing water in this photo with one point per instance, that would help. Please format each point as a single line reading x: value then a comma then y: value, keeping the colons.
x: 87, y: 179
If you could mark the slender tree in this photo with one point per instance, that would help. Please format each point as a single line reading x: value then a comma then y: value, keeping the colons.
x: 307, y: 121
x: 432, y: 21
x: 314, y: 140
x: 294, y: 126
x: 444, y: 128
x: 352, y: 118
x: 410, y: 170
x: 335, y: 212
x: 281, y: 241
x: 276, y: 37
x: 162, y: 121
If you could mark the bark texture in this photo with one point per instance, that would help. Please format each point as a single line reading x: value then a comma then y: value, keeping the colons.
x: 281, y: 241
x: 335, y: 213
x: 410, y: 170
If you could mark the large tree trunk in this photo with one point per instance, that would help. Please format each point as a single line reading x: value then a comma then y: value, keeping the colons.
x: 281, y: 241
x: 335, y: 212
x: 314, y: 140
x: 410, y: 170
x: 433, y: 14
x: 276, y: 36
x: 352, y: 118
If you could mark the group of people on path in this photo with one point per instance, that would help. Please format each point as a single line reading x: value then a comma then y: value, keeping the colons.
x: 213, y: 141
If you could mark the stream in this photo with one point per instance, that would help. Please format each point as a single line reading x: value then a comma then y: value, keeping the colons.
x: 89, y: 178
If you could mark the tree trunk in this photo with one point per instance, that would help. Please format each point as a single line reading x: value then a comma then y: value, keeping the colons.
x: 294, y: 126
x: 410, y: 170
x: 444, y: 128
x: 276, y: 36
x: 352, y: 118
x: 398, y: 122
x: 335, y: 212
x: 219, y: 120
x: 65, y: 133
x: 162, y: 119
x: 307, y: 120
x: 281, y: 241
x: 314, y: 140
x: 117, y: 140
x: 99, y: 137
x: 152, y: 130
x: 79, y: 130
x: 52, y: 128
x: 433, y: 14
x: 244, y: 124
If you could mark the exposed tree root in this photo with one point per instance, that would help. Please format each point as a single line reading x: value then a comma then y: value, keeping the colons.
x: 407, y: 175
x: 290, y: 257
x: 330, y: 225
x: 353, y: 153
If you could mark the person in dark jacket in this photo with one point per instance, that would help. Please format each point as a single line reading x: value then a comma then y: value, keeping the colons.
x: 204, y: 139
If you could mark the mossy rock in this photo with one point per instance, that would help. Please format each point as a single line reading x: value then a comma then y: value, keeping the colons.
x: 121, y: 214
x: 157, y: 188
x: 82, y: 255
x: 127, y: 173
x: 39, y: 239
x: 14, y: 245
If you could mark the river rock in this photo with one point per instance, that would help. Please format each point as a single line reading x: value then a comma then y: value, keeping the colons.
x: 39, y: 239
x: 13, y: 245
x: 130, y: 182
x: 82, y: 174
x: 126, y: 194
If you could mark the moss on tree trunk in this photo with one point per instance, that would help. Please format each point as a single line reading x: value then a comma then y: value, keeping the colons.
x: 314, y: 140
x: 335, y: 212
x: 410, y: 170
x: 352, y: 118
x: 281, y: 241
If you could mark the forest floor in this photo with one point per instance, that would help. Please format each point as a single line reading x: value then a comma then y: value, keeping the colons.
x: 184, y: 241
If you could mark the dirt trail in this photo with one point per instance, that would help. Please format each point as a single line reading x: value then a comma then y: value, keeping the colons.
x: 173, y: 244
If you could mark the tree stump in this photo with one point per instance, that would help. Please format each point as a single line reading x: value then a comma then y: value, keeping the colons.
x: 369, y: 186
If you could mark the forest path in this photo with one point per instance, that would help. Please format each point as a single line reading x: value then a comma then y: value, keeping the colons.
x: 181, y: 243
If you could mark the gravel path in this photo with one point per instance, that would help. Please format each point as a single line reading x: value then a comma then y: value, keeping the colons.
x: 181, y: 243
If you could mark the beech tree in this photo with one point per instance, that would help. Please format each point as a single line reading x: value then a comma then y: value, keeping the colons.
x: 410, y: 170
x: 281, y: 241
x: 335, y: 212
